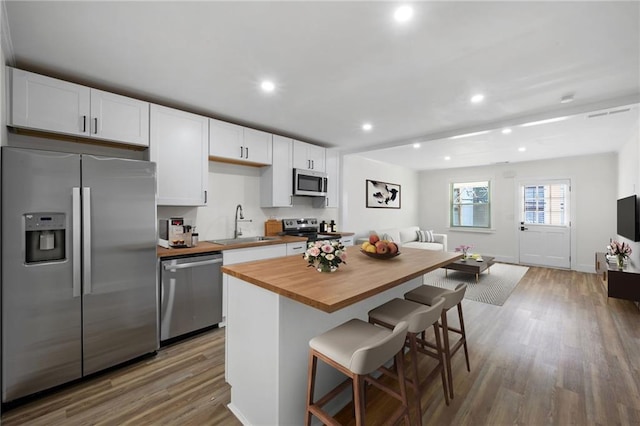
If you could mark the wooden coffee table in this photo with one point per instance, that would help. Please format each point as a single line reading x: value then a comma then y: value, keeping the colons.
x: 471, y: 266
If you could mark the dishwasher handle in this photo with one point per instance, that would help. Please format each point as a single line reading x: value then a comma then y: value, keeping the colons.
x: 169, y: 267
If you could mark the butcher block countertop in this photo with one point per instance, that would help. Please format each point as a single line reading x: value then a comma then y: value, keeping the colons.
x: 360, y: 278
x: 206, y: 247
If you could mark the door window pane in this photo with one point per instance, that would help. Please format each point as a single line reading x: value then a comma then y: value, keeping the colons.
x: 545, y: 204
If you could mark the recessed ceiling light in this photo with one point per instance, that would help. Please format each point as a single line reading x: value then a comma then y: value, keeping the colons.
x: 416, y: 145
x: 476, y: 99
x: 550, y: 120
x: 267, y: 86
x: 466, y: 135
x: 522, y: 149
x: 403, y: 13
x: 506, y: 131
x: 566, y: 99
x: 447, y: 158
x: 367, y: 127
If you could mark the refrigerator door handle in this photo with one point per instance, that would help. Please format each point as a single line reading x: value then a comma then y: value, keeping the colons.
x: 86, y: 239
x: 75, y: 250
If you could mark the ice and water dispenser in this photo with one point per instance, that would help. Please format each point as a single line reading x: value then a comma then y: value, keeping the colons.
x: 45, y: 235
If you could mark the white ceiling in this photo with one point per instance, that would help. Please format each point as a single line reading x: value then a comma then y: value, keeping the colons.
x: 338, y: 64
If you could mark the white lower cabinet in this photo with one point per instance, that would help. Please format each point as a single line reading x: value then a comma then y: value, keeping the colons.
x: 347, y: 241
x: 296, y: 248
x: 179, y: 147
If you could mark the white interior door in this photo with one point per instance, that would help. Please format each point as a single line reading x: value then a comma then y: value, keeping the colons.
x: 545, y: 225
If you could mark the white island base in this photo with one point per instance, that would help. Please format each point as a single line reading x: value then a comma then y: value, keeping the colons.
x: 267, y: 348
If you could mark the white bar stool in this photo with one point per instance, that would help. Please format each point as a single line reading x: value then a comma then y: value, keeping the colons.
x: 426, y: 295
x: 419, y: 317
x: 357, y: 349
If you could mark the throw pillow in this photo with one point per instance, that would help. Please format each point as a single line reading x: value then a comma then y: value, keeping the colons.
x: 425, y: 236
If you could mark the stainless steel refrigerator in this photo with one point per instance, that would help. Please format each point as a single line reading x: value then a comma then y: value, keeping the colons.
x: 79, y: 290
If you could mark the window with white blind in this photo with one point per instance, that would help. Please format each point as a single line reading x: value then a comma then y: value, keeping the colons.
x: 470, y: 204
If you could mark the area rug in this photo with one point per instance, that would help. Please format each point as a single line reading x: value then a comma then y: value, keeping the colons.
x: 493, y: 288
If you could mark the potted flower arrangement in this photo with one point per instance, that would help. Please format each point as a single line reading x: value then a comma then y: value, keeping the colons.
x: 464, y: 249
x: 325, y: 255
x: 620, y: 250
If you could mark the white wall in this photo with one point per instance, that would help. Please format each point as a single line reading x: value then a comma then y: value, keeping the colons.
x: 230, y: 185
x: 629, y: 183
x: 353, y: 212
x: 593, y: 202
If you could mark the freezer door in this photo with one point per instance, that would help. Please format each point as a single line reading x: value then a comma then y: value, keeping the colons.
x: 41, y: 318
x: 120, y: 295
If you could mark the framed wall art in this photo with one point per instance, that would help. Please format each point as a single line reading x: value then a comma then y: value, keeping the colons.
x: 382, y: 195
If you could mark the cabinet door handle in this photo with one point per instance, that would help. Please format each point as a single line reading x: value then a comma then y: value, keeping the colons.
x: 246, y: 153
x: 241, y: 152
x: 291, y: 200
x: 205, y: 197
x: 95, y: 124
x: 84, y: 124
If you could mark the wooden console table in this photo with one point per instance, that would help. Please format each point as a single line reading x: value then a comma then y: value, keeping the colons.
x: 619, y: 283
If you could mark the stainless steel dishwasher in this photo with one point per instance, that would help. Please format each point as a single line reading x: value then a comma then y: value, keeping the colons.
x: 191, y: 294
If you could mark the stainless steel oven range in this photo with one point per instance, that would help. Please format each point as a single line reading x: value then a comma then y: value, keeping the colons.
x: 306, y: 227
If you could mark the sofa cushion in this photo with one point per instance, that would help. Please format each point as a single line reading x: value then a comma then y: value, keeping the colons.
x: 425, y: 236
x: 391, y: 234
x: 408, y: 234
x: 427, y: 246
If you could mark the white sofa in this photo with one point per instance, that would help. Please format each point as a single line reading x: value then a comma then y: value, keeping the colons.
x: 408, y: 237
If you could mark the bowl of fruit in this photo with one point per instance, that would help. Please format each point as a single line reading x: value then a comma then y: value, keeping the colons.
x: 379, y: 249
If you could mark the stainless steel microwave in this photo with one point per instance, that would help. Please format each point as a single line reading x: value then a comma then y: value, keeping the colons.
x: 309, y: 183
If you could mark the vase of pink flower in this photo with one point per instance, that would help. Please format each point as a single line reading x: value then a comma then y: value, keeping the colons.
x: 464, y: 249
x: 325, y: 255
x: 621, y: 251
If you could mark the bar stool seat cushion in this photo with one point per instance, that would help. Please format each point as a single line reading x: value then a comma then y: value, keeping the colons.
x: 426, y: 294
x: 396, y: 310
x: 350, y: 343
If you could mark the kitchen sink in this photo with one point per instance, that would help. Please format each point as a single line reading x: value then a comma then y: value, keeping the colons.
x: 241, y: 240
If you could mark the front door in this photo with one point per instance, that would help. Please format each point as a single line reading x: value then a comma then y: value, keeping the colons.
x: 545, y: 226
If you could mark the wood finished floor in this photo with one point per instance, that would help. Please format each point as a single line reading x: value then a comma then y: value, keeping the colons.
x: 558, y: 353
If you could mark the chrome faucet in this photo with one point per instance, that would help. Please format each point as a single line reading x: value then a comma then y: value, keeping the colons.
x: 237, y: 233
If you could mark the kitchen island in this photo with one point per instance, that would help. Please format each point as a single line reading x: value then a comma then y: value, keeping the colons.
x: 276, y: 306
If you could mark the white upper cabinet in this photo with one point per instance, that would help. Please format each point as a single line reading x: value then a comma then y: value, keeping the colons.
x: 308, y: 156
x: 257, y: 145
x: 179, y: 146
x: 276, y: 181
x: 333, y: 177
x: 48, y: 104
x: 119, y: 118
x: 44, y: 103
x: 237, y: 144
x: 225, y: 139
